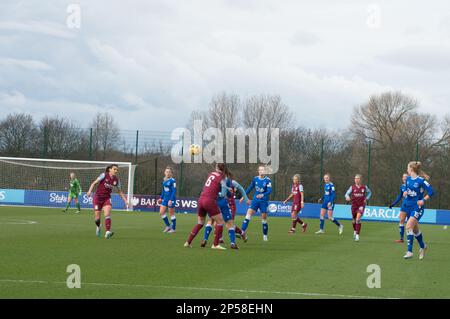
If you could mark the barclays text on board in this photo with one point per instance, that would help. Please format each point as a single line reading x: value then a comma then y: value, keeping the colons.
x: 149, y: 203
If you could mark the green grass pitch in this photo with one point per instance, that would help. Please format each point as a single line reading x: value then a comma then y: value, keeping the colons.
x: 140, y: 261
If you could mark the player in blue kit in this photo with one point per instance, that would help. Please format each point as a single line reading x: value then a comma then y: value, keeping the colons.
x: 168, y: 200
x: 416, y: 185
x: 328, y: 200
x: 225, y: 195
x: 263, y: 187
x: 402, y: 215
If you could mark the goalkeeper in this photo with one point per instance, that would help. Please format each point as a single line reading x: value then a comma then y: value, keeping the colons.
x: 74, y: 192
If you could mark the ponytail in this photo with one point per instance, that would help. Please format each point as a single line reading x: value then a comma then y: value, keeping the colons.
x: 416, y: 167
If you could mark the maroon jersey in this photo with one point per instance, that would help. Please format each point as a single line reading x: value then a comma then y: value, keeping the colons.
x: 297, y: 190
x: 212, y: 186
x: 105, y: 187
x: 231, y: 201
x: 358, y: 196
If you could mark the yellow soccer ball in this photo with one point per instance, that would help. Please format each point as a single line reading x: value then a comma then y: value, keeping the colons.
x: 194, y: 149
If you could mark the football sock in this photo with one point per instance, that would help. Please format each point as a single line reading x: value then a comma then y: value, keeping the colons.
x: 358, y: 226
x: 245, y: 223
x: 322, y: 223
x: 294, y: 223
x: 265, y: 227
x: 232, y: 235
x: 401, y: 228
x: 419, y: 238
x: 97, y: 222
x: 108, y: 223
x: 300, y: 221
x: 174, y: 222
x: 336, y: 222
x: 238, y: 230
x: 218, y: 234
x: 410, y: 240
x: 194, y: 232
x: 67, y: 206
x: 78, y: 206
x: 166, y: 220
x: 208, y: 230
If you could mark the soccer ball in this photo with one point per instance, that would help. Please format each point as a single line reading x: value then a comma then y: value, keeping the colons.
x: 194, y: 149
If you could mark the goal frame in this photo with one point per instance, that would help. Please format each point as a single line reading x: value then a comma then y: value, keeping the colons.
x: 131, y: 169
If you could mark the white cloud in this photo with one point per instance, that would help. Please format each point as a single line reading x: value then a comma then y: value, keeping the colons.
x: 152, y: 62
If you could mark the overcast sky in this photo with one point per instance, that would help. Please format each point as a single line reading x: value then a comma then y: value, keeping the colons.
x: 152, y: 62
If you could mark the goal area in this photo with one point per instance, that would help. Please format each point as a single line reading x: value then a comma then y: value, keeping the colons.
x: 45, y: 182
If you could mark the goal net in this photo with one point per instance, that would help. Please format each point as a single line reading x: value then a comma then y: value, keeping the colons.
x: 45, y: 182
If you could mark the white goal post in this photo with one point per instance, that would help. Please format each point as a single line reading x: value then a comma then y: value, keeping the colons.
x: 19, y: 174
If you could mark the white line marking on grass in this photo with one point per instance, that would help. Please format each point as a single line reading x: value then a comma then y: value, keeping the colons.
x: 17, y: 222
x: 308, y: 294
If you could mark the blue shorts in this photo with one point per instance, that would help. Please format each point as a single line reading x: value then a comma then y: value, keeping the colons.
x: 225, y: 210
x: 414, y: 211
x: 259, y: 204
x: 165, y: 202
x: 325, y: 205
x: 404, y: 208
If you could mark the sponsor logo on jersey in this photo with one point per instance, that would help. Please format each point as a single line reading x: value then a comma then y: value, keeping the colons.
x: 272, y: 208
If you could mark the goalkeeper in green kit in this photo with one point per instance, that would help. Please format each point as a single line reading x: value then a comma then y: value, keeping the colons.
x: 74, y: 192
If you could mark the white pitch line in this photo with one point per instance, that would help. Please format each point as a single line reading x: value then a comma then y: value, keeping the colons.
x: 310, y: 294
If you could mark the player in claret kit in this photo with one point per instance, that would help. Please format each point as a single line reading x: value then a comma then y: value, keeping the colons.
x: 297, y: 203
x: 168, y: 200
x: 226, y: 196
x: 263, y: 187
x: 416, y: 185
x: 328, y: 200
x: 74, y: 193
x: 358, y: 194
x: 102, y: 198
x: 207, y: 204
x: 402, y: 215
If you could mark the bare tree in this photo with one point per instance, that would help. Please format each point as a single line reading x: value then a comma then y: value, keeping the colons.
x: 18, y: 135
x: 224, y: 111
x: 105, y: 133
x: 382, y: 117
x: 267, y: 111
x: 61, y: 137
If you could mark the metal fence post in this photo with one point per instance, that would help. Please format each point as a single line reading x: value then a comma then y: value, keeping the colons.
x: 181, y: 171
x: 90, y: 143
x: 417, y: 152
x: 369, y: 168
x: 156, y: 175
x: 137, y: 146
x: 321, y: 168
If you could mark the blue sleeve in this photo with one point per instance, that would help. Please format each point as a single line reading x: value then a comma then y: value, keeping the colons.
x: 428, y: 188
x: 333, y: 194
x: 223, y: 190
x: 399, y: 197
x: 268, y: 188
x: 368, y: 192
x: 250, y: 188
x: 349, y: 191
x: 241, y: 189
x: 174, y: 190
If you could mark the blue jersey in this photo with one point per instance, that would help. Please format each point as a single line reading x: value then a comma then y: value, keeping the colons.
x: 329, y: 194
x: 262, y: 186
x: 415, y: 188
x: 400, y: 195
x: 169, y: 189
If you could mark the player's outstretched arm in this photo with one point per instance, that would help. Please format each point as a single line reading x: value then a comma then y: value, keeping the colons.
x: 289, y: 197
x: 92, y: 186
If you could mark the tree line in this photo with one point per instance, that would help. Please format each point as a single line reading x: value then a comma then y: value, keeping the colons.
x: 385, y: 133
